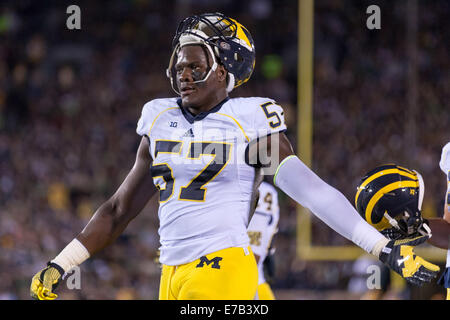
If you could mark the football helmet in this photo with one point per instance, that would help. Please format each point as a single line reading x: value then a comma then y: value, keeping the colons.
x: 228, y: 42
x: 390, y: 198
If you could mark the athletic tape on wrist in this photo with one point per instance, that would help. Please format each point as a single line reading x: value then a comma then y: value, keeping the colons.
x: 379, y: 247
x: 72, y: 255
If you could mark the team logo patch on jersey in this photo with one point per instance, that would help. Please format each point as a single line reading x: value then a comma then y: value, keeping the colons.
x: 215, y: 262
x: 255, y: 237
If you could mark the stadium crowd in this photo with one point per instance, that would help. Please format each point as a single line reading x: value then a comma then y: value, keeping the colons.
x: 70, y: 100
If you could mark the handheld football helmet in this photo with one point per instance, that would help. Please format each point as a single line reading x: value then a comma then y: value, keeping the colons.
x: 228, y: 42
x: 390, y: 198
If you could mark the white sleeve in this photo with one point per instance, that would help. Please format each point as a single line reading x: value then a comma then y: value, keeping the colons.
x: 445, y: 167
x: 145, y: 121
x: 268, y: 118
x: 445, y: 159
x: 328, y: 204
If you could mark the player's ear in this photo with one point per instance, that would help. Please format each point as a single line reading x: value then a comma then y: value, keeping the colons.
x: 221, y: 73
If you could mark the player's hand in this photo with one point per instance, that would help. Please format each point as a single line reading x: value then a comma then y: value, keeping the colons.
x: 400, y: 257
x: 45, y: 282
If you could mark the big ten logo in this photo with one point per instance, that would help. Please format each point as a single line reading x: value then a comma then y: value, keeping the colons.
x: 73, y: 278
x: 374, y: 20
x: 74, y: 20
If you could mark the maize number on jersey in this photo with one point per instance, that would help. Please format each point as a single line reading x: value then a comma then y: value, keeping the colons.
x: 195, y: 190
x: 269, y: 115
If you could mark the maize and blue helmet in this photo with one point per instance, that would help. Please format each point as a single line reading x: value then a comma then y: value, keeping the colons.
x: 390, y: 198
x: 228, y: 42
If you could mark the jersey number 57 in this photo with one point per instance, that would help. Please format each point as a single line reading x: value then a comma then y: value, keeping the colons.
x: 195, y: 190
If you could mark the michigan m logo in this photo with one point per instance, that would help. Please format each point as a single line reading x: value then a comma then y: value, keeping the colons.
x: 214, y: 261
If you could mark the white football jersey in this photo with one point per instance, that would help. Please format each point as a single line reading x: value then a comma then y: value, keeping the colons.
x: 199, y: 167
x: 445, y: 159
x: 445, y: 167
x: 263, y: 225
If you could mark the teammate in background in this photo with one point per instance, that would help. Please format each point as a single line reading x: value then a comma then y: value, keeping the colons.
x: 444, y: 163
x: 262, y: 228
x: 202, y: 150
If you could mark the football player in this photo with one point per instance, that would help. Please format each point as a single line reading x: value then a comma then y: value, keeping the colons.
x: 201, y: 149
x: 262, y: 228
x: 444, y: 163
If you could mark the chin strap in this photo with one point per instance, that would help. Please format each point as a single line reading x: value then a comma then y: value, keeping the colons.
x: 425, y: 229
x: 392, y: 221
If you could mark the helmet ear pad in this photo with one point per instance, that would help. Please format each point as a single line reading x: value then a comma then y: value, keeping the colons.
x: 230, y: 82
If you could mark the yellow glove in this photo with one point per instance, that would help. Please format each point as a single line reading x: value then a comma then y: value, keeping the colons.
x: 45, y: 282
x: 400, y: 257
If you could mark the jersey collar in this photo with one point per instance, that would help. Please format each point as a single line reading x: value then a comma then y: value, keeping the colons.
x: 191, y: 117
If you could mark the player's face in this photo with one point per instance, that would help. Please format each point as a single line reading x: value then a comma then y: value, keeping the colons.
x: 193, y: 64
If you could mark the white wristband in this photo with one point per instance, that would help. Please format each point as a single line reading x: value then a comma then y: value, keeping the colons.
x: 72, y: 255
x: 376, y: 250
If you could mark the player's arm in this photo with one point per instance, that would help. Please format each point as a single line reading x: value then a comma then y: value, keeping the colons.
x: 299, y: 182
x: 440, y: 228
x: 112, y: 217
x: 107, y: 223
x: 447, y: 201
x: 447, y: 212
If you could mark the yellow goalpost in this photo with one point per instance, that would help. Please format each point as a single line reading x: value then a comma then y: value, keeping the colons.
x: 305, y: 249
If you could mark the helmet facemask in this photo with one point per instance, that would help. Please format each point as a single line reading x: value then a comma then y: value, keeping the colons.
x: 408, y: 223
x: 186, y: 40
